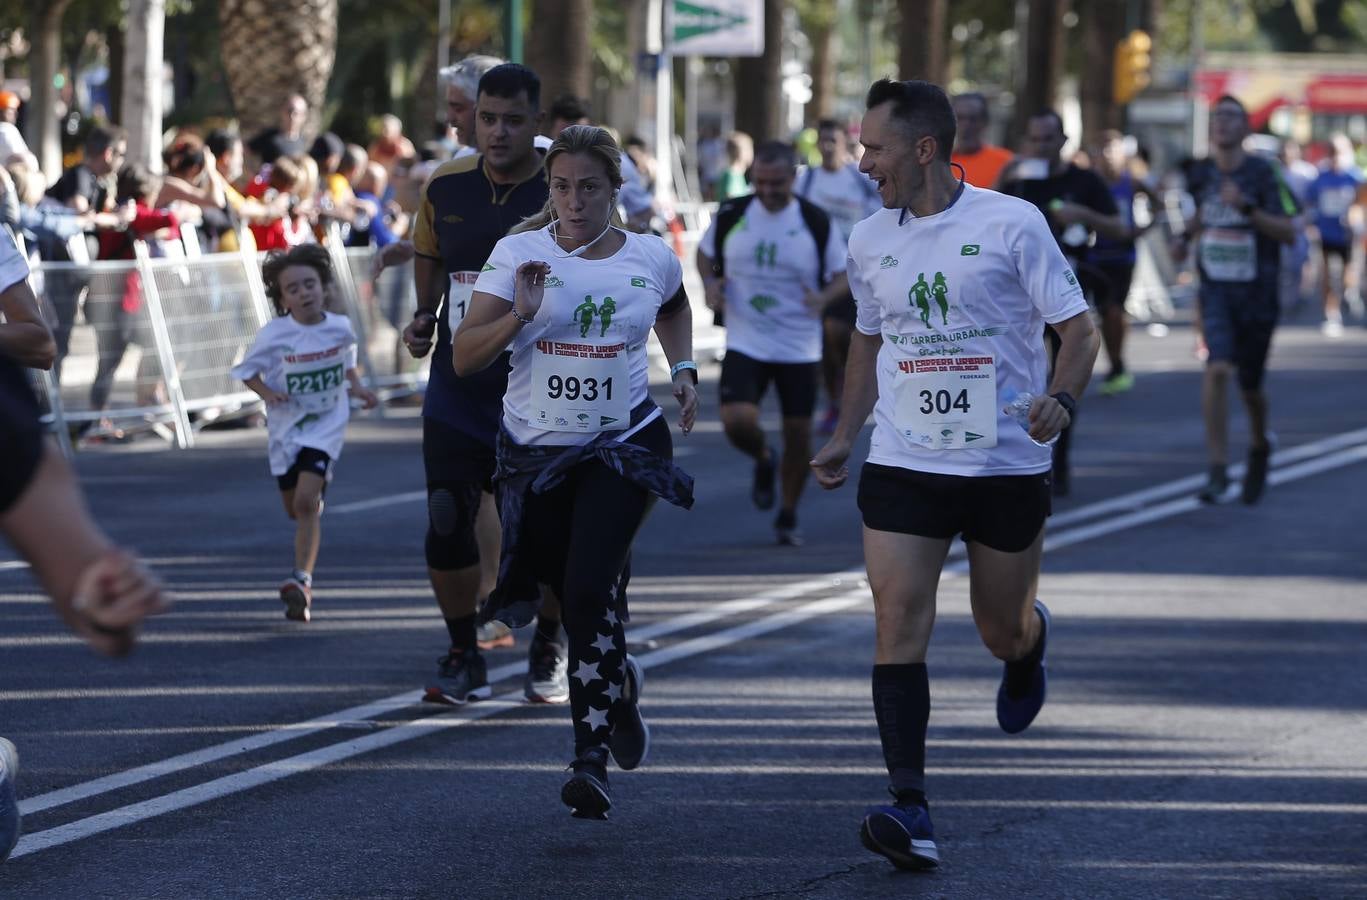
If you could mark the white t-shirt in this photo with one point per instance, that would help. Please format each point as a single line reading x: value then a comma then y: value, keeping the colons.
x: 847, y: 195
x: 13, y: 266
x: 581, y: 367
x: 771, y: 265
x: 961, y: 299
x: 308, y: 362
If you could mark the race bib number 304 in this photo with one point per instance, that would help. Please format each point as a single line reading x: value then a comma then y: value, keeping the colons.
x: 582, y: 388
x: 947, y: 403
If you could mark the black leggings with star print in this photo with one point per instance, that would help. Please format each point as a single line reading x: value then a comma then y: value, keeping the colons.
x: 579, y: 534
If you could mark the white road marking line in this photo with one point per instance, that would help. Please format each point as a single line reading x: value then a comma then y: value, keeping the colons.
x: 396, y: 734
x: 338, y: 509
x: 387, y: 705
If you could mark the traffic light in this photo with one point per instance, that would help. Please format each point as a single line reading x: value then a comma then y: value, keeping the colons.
x: 1132, y: 64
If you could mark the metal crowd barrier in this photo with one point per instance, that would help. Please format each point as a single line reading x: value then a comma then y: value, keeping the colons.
x: 148, y: 345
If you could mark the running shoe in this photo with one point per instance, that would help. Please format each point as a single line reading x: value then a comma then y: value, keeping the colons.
x: 548, y: 679
x: 10, y: 820
x: 762, y: 491
x: 298, y: 598
x: 1332, y: 328
x: 1021, y: 694
x: 1255, y: 474
x: 630, y: 739
x: 1118, y: 383
x: 494, y: 634
x: 903, y: 834
x: 586, y: 793
x: 461, y: 678
x: 1216, y: 485
x: 785, y: 530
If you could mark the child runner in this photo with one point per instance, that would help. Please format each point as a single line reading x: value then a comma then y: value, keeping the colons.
x: 301, y: 365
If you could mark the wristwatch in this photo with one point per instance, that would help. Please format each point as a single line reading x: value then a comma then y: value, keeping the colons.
x: 1066, y: 400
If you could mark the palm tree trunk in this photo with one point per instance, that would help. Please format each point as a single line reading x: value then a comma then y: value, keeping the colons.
x: 43, y: 136
x: 759, y: 79
x: 1103, y: 26
x: 822, y: 35
x: 558, y: 47
x: 273, y: 50
x: 922, y: 39
x: 1043, y: 59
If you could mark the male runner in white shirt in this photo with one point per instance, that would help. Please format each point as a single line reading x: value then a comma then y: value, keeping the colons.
x: 954, y: 286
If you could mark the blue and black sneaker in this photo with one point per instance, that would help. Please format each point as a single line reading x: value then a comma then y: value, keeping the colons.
x: 630, y: 738
x: 1023, y: 687
x: 586, y: 793
x: 10, y: 820
x: 903, y: 833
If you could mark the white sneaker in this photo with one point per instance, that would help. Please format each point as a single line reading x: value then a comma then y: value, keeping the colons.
x: 1332, y: 328
x: 10, y: 820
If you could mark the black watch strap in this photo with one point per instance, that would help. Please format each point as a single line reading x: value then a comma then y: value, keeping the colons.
x: 1066, y: 400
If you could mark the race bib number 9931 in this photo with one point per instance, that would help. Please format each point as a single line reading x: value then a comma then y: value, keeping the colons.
x: 580, y: 387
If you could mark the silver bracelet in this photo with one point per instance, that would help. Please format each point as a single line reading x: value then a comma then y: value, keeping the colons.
x: 520, y: 317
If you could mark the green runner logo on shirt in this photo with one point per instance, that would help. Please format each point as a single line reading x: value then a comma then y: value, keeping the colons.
x: 969, y: 250
x: 585, y: 312
x: 766, y: 254
x: 922, y: 293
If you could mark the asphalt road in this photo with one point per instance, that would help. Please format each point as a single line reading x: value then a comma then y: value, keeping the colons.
x: 1203, y: 736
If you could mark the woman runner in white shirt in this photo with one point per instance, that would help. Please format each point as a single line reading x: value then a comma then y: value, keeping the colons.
x: 583, y: 450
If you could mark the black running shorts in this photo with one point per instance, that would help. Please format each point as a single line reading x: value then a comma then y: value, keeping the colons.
x: 22, y: 447
x: 745, y: 380
x: 450, y: 456
x: 1003, y: 512
x: 310, y: 459
x: 1237, y: 324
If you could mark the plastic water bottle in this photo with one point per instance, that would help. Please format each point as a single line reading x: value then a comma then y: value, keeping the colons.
x: 1019, y: 409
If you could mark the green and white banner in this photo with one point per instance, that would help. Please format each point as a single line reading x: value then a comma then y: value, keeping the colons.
x: 714, y: 27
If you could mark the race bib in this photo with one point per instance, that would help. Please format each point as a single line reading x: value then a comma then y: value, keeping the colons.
x: 317, y: 385
x: 582, y: 388
x: 458, y: 297
x: 947, y: 402
x: 1229, y: 254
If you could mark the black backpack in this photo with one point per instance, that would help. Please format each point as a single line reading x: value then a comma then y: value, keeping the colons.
x: 729, y: 215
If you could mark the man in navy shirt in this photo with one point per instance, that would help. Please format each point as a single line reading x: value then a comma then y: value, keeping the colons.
x: 466, y: 207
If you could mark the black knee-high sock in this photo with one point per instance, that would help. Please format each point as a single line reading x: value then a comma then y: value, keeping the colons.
x: 901, y: 701
x: 462, y: 631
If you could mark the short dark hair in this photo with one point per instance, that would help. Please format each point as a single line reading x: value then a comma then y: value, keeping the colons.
x: 569, y: 108
x: 221, y: 140
x: 922, y: 107
x: 1230, y: 98
x: 509, y: 80
x: 975, y: 97
x: 1048, y: 113
x: 830, y: 125
x: 102, y: 138
x: 776, y: 152
x: 325, y: 146
x: 136, y: 182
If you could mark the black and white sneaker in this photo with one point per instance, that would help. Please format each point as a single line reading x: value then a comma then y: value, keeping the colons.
x: 630, y: 739
x: 586, y: 793
x: 786, y: 531
x: 462, y: 677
